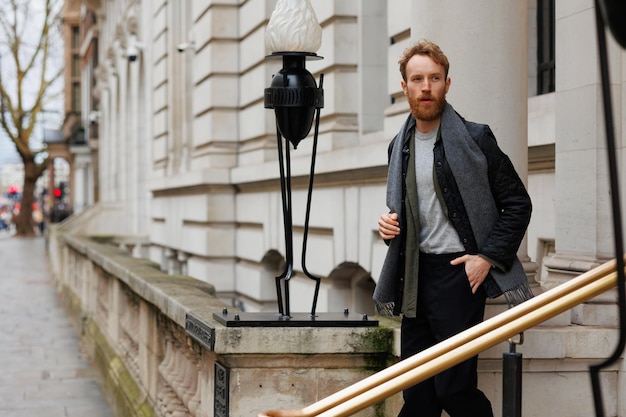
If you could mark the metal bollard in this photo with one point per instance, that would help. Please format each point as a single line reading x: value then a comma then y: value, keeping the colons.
x: 512, y: 380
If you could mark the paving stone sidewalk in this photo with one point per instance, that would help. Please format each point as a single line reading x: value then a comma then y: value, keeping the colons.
x: 43, y: 371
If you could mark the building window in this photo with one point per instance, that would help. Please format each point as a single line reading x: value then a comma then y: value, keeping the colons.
x: 75, y: 37
x: 76, y: 97
x: 75, y: 65
x: 545, y: 46
x: 75, y: 70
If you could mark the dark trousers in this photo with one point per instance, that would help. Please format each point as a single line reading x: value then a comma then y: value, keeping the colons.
x: 445, y: 307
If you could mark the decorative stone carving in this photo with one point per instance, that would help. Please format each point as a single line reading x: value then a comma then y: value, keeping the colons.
x: 129, y: 323
x: 96, y: 92
x: 120, y: 36
x: 101, y: 73
x: 112, y: 58
x: 132, y: 25
x: 103, y: 286
x: 178, y: 385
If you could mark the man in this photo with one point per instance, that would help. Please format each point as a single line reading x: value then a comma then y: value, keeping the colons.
x: 459, y: 212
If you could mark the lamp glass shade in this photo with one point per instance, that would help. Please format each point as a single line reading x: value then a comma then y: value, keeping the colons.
x: 293, y: 27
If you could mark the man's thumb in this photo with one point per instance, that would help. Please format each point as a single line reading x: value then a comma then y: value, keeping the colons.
x: 457, y: 261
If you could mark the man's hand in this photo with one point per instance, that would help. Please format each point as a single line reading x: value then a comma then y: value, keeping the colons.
x: 476, y: 269
x: 388, y: 226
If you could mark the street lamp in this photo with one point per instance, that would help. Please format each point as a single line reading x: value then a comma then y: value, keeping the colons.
x: 294, y: 35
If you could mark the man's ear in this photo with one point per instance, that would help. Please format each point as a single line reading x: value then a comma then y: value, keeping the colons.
x: 403, y: 85
x: 448, y: 81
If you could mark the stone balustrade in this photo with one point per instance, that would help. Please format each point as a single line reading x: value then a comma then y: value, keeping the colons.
x: 162, y: 353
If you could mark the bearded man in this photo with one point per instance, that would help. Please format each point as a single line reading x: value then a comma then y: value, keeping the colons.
x: 458, y: 213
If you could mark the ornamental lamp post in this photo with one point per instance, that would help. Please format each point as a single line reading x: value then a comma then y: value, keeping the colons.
x: 294, y: 35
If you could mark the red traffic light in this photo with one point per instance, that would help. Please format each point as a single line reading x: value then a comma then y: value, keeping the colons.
x: 58, y: 193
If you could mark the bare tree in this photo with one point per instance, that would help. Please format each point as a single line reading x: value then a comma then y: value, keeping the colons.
x: 30, y: 41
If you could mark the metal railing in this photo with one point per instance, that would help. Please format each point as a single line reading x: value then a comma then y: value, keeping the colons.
x: 460, y: 347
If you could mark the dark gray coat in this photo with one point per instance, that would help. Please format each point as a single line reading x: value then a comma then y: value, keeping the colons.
x: 499, y: 236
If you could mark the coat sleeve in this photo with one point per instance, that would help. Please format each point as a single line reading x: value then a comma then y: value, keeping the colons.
x: 511, y: 199
x: 389, y: 150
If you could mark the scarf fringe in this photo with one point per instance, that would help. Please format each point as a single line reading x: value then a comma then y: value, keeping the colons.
x: 518, y: 295
x: 384, y: 309
x: 513, y: 297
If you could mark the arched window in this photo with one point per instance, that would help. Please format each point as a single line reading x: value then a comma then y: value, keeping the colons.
x: 352, y: 288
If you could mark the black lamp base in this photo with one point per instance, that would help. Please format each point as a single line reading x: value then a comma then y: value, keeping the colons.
x: 295, y: 320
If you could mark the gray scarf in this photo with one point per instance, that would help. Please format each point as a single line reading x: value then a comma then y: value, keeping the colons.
x: 469, y: 168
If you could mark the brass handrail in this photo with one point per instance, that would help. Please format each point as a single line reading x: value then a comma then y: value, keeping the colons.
x: 460, y: 347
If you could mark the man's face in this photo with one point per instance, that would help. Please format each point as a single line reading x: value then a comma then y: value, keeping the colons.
x: 425, y: 88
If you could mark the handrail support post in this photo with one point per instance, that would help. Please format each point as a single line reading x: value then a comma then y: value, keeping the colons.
x: 512, y: 380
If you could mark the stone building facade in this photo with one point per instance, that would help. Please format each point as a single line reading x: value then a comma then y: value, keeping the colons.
x: 187, y: 153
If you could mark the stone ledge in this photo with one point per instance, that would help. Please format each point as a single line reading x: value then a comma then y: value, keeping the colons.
x: 173, y: 295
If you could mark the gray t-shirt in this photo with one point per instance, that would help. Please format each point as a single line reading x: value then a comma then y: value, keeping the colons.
x: 437, y: 235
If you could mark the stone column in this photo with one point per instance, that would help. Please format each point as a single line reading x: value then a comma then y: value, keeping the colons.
x: 123, y: 145
x: 103, y: 150
x: 133, y: 138
x: 486, y: 44
x: 80, y: 174
x: 99, y: 168
x: 109, y: 147
x: 111, y: 183
x: 584, y: 236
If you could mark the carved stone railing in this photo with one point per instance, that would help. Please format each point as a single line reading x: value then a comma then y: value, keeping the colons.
x: 161, y: 352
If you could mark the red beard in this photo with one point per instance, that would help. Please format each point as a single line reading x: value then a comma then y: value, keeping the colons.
x: 427, y: 112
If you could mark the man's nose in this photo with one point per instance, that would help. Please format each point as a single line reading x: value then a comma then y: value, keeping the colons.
x: 426, y: 85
